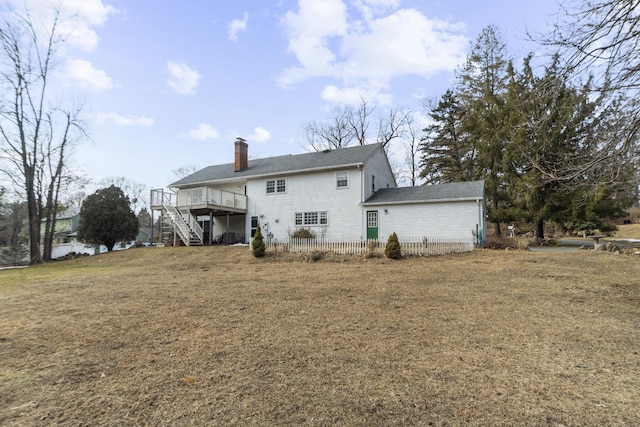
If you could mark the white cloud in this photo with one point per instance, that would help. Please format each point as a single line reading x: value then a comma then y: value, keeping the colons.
x: 78, y: 19
x: 355, y: 95
x: 182, y: 78
x: 372, y: 8
x: 368, y: 47
x: 120, y: 120
x: 237, y: 26
x: 203, y: 132
x: 88, y: 77
x: 310, y: 31
x: 406, y: 42
x: 259, y: 135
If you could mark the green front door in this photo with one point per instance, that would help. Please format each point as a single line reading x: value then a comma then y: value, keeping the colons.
x: 372, y: 225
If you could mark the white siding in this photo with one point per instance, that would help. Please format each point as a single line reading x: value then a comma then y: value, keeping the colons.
x: 377, y: 166
x: 232, y: 187
x: 310, y: 192
x: 446, y: 219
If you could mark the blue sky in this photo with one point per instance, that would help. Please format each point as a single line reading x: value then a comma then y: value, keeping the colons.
x: 167, y: 84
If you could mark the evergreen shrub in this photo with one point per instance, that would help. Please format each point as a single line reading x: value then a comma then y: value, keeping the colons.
x: 258, y: 244
x: 392, y: 250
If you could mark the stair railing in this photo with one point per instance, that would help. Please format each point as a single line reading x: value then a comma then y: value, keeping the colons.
x: 181, y: 226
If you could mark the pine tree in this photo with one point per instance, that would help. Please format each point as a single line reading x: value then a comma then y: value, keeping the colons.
x: 482, y: 82
x: 447, y: 155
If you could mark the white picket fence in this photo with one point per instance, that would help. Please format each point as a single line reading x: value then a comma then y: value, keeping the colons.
x: 409, y: 246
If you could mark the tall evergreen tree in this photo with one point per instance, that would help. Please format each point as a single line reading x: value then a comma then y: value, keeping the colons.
x: 447, y: 154
x: 482, y: 83
x: 553, y: 125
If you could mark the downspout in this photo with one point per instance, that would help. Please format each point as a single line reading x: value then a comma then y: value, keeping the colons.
x: 481, y: 227
x: 363, y: 215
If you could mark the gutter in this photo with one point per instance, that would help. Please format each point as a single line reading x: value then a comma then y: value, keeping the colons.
x: 413, y: 202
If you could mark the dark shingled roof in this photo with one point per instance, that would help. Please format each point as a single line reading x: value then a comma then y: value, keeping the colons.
x: 282, y: 165
x: 424, y: 193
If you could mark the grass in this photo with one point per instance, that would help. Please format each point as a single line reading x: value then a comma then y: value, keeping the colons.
x: 213, y: 336
x: 628, y: 231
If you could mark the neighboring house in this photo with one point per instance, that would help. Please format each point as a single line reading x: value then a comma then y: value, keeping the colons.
x: 65, y: 234
x: 144, y: 235
x: 66, y: 228
x: 343, y: 194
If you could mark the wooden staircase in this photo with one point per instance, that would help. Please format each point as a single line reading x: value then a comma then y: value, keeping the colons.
x: 184, y: 225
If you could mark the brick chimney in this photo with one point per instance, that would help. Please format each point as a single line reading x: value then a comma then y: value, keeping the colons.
x: 242, y: 153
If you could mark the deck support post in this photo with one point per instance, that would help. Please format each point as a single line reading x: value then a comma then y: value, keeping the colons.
x: 210, y: 228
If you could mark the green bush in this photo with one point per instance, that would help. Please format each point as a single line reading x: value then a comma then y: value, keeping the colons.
x: 258, y: 244
x: 392, y: 250
x: 607, y: 228
x: 303, y: 233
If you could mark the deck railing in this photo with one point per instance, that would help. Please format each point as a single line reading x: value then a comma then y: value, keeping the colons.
x: 161, y: 197
x: 208, y: 196
x: 410, y: 246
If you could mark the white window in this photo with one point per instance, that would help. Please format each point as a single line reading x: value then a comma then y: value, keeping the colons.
x: 271, y: 187
x: 342, y: 179
x: 324, y: 218
x: 276, y: 186
x: 312, y: 218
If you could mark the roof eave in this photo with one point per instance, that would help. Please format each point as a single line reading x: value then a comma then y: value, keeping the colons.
x: 413, y: 202
x: 267, y: 175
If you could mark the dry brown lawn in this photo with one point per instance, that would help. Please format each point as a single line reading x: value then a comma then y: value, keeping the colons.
x: 628, y: 231
x: 212, y: 336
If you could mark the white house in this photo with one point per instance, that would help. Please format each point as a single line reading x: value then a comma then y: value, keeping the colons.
x: 344, y: 194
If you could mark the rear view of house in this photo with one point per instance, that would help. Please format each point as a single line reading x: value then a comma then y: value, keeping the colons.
x: 344, y: 194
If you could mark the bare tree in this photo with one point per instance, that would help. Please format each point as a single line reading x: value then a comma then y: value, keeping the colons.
x: 338, y: 132
x: 600, y: 35
x: 359, y: 121
x: 348, y: 126
x: 601, y: 38
x: 412, y: 138
x: 36, y: 134
x: 136, y: 192
x: 392, y: 125
x: 184, y: 171
x: 75, y: 187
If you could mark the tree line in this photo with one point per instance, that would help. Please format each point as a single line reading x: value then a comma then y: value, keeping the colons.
x: 549, y: 145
